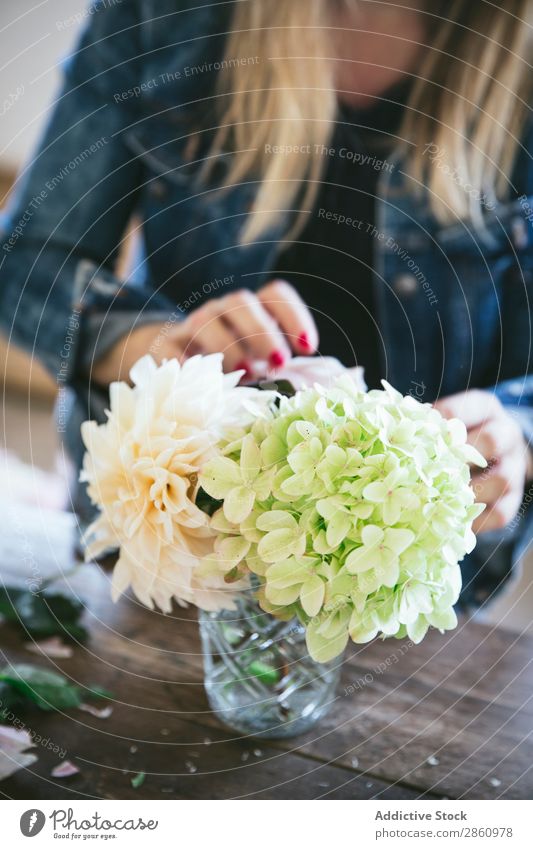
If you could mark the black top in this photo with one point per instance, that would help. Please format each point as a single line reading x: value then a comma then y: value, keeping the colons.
x: 331, y: 261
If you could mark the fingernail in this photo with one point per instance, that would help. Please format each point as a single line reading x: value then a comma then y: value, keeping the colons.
x: 276, y: 359
x: 245, y: 366
x: 303, y: 341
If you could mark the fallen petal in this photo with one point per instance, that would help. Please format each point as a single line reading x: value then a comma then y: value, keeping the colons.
x: 53, y: 647
x: 12, y: 755
x: 99, y: 713
x: 64, y: 770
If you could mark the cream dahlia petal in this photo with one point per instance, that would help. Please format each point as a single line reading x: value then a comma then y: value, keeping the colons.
x: 142, y: 468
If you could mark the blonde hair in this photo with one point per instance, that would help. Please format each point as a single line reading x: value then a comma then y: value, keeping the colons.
x: 469, y: 99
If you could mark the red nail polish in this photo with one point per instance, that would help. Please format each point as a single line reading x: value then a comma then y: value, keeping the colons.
x: 303, y: 341
x: 276, y: 359
x: 244, y: 366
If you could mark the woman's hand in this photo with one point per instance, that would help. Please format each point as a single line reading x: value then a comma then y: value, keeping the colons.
x: 498, y: 437
x: 254, y: 331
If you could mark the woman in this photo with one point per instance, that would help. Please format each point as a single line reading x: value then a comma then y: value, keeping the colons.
x: 346, y: 177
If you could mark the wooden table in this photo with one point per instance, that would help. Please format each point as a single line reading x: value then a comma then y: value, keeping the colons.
x: 451, y: 718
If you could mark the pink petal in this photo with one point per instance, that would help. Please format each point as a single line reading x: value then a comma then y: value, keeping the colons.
x: 54, y: 647
x: 100, y: 713
x: 64, y: 770
x: 12, y: 755
x: 11, y: 736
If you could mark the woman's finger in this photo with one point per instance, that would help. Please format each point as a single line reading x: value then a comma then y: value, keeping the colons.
x: 496, y: 481
x: 498, y: 514
x: 205, y: 332
x: 473, y: 407
x: 215, y: 337
x: 283, y: 302
x: 495, y: 437
x: 255, y: 328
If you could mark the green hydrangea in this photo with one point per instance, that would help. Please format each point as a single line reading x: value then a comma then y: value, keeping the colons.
x: 353, y: 509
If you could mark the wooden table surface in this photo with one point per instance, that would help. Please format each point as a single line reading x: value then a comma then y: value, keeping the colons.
x: 450, y: 718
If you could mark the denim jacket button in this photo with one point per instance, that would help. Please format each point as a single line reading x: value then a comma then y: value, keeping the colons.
x: 158, y: 189
x: 405, y: 284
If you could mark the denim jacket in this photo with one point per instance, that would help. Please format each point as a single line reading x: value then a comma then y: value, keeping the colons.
x: 138, y: 88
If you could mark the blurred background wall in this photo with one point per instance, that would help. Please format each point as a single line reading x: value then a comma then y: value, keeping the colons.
x: 35, y: 36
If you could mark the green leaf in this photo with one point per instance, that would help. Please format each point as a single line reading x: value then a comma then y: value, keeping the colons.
x: 47, y: 689
x: 233, y: 634
x: 207, y: 503
x: 284, y: 387
x: 138, y: 780
x: 94, y: 691
x: 42, y: 614
x: 264, y: 672
x: 10, y: 700
x: 233, y: 575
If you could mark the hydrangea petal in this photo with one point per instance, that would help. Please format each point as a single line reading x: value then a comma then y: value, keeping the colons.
x: 376, y: 492
x: 274, y: 520
x: 323, y: 649
x: 232, y: 550
x: 398, y: 539
x: 362, y: 629
x: 279, y: 544
x: 282, y: 596
x: 220, y: 476
x: 444, y: 620
x: 312, y: 595
x: 250, y: 459
x: 339, y: 526
x: 372, y: 535
x: 417, y: 630
x: 238, y: 504
x: 361, y: 559
x: 388, y: 572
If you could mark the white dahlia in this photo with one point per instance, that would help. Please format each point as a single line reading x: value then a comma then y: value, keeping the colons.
x: 142, y: 468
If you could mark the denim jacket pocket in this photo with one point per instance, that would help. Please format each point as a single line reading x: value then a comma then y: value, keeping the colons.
x: 508, y: 228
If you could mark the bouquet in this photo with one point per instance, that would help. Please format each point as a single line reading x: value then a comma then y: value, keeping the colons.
x: 347, y: 509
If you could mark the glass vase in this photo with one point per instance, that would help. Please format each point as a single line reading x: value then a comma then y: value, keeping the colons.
x: 259, y: 677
